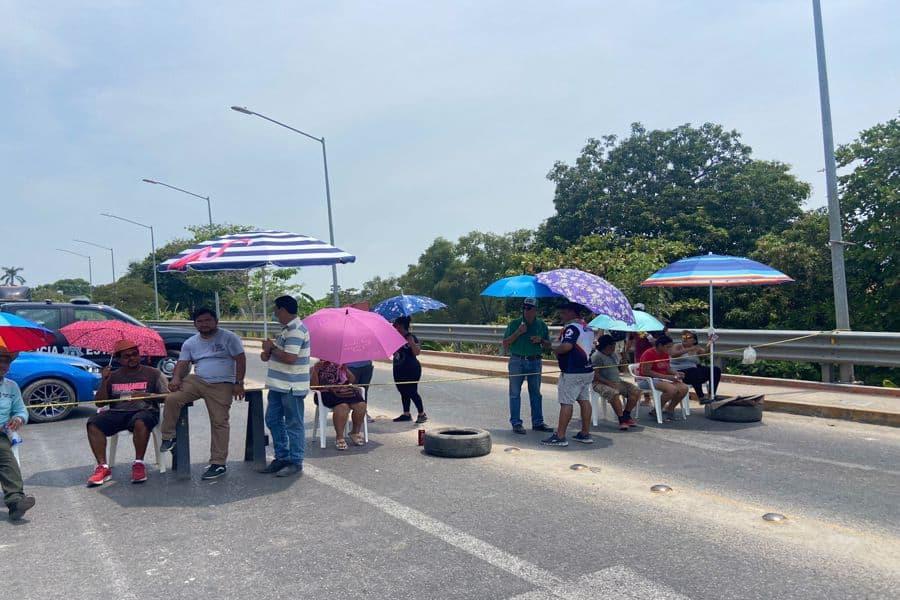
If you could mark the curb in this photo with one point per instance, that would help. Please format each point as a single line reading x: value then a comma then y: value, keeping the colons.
x: 858, y: 415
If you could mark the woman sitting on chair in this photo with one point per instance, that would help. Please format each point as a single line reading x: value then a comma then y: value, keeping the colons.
x: 686, y: 358
x: 341, y: 399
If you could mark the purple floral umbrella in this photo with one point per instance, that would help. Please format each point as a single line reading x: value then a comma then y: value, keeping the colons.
x: 589, y: 290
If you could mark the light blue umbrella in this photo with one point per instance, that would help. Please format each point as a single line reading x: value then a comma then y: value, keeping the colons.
x: 519, y: 286
x: 405, y: 306
x: 642, y: 322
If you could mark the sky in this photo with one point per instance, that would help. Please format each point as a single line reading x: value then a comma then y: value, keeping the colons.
x: 440, y: 117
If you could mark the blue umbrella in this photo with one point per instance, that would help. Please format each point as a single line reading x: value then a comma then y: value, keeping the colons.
x: 642, y: 322
x: 519, y: 286
x: 404, y: 306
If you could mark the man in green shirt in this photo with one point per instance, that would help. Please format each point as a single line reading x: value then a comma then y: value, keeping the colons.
x: 526, y: 338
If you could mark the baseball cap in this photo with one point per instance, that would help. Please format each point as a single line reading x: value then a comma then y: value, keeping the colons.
x: 123, y: 345
x: 573, y: 306
x: 639, y: 306
x: 529, y: 302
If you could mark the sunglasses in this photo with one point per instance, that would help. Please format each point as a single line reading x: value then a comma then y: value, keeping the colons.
x: 529, y: 307
x: 131, y: 354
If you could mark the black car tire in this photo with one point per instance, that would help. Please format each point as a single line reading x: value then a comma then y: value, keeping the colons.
x: 45, y: 391
x: 457, y: 442
x: 167, y: 364
x: 735, y: 413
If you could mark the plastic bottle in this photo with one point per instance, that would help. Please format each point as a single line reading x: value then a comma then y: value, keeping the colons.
x: 14, y: 437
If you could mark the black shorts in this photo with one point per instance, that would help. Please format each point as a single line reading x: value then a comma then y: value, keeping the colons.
x: 111, y: 422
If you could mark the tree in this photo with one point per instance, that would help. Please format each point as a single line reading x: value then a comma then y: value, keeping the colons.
x: 62, y: 290
x: 625, y: 263
x: 11, y: 276
x: 870, y: 202
x: 698, y: 185
x: 802, y: 253
x: 131, y: 295
x: 373, y: 291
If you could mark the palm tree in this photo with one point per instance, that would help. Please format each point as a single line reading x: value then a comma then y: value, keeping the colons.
x: 11, y: 276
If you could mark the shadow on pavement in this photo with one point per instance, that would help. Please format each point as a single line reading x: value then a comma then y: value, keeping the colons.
x: 241, y: 483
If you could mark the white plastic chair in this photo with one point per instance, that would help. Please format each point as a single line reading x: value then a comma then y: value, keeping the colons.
x: 656, y: 395
x: 321, y: 420
x: 154, y: 441
x: 597, y: 404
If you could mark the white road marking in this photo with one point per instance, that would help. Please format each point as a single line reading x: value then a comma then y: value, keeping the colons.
x: 608, y: 583
x: 85, y: 518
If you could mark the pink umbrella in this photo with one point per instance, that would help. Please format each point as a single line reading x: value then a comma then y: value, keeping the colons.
x: 344, y: 335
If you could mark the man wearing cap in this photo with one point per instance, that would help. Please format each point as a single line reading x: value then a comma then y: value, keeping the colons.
x: 573, y: 351
x: 12, y: 417
x: 525, y: 339
x: 125, y: 387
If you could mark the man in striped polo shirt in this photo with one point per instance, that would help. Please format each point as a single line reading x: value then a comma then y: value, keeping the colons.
x: 288, y: 383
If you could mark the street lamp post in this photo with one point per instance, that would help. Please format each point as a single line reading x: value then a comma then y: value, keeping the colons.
x: 90, y: 266
x: 838, y: 276
x: 321, y: 140
x: 112, y: 256
x: 208, y: 212
x: 152, y: 248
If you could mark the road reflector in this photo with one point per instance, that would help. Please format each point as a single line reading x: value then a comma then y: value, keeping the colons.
x: 774, y: 517
x: 511, y: 449
x: 579, y: 467
x: 660, y: 488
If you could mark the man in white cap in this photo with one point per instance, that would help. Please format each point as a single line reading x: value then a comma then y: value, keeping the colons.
x: 526, y: 338
x: 12, y: 417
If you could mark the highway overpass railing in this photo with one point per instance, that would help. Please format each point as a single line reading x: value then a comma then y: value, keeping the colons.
x: 829, y: 348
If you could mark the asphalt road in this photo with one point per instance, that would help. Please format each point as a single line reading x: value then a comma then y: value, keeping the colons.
x: 387, y: 521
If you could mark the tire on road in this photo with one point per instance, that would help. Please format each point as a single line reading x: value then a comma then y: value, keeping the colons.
x: 735, y: 413
x: 48, y: 391
x: 457, y: 442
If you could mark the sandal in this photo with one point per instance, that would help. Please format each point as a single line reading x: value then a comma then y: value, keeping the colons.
x: 358, y: 439
x: 340, y: 444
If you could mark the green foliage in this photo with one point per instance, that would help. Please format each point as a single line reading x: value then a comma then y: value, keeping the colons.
x: 870, y: 201
x: 802, y: 252
x: 373, y: 291
x: 776, y: 368
x: 624, y: 262
x: 11, y: 276
x: 698, y: 185
x: 62, y: 290
x: 131, y: 295
x: 455, y: 273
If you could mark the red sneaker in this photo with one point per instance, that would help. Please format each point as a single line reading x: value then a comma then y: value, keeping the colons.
x: 631, y: 422
x: 623, y: 426
x: 138, y: 472
x: 101, y: 475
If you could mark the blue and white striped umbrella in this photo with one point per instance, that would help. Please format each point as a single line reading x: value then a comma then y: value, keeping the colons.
x: 256, y: 249
x: 404, y: 306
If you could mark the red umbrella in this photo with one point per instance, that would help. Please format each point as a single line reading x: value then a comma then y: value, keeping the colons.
x: 103, y: 335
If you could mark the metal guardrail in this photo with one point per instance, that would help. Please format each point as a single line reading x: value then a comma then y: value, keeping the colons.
x: 881, y: 349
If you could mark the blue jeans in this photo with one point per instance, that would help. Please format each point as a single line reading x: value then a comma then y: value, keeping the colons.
x: 284, y: 418
x: 518, y: 366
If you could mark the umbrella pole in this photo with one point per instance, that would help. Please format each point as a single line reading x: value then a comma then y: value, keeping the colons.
x: 712, y: 352
x: 265, y: 311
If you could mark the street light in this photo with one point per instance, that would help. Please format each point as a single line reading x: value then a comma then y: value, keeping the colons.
x: 90, y: 266
x: 838, y: 276
x: 208, y: 212
x: 321, y: 140
x: 153, y: 249
x: 112, y: 256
